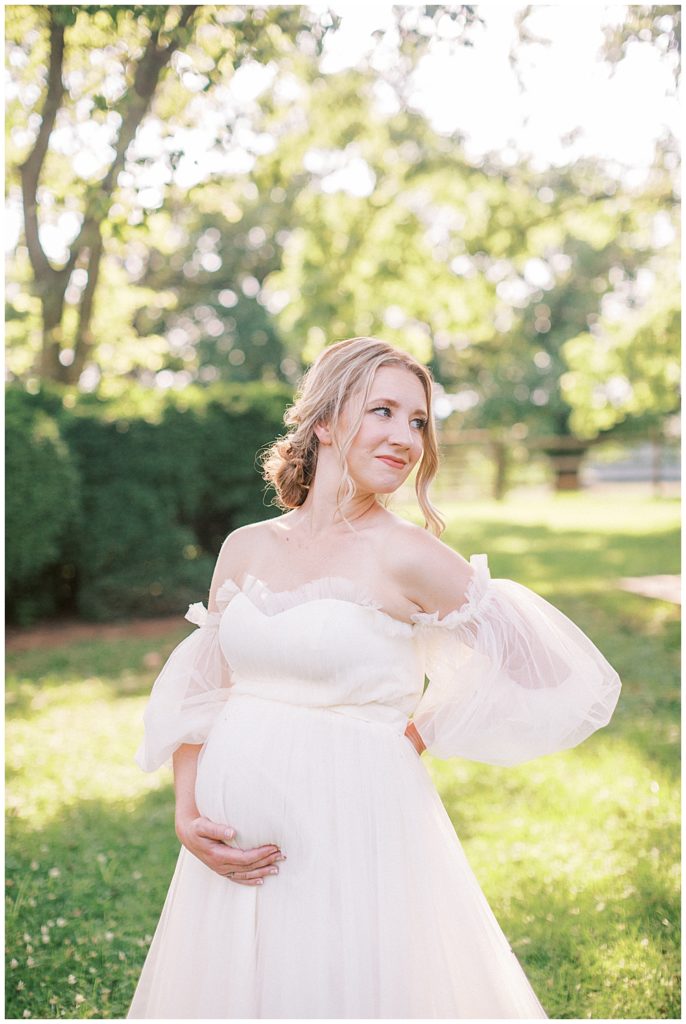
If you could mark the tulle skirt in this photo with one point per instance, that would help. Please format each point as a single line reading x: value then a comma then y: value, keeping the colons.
x: 376, y: 912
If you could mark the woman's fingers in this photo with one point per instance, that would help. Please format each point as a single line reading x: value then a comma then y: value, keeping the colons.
x: 227, y: 859
x: 249, y: 869
x: 245, y: 859
x: 254, y: 877
x: 224, y: 833
x: 213, y: 830
x: 212, y: 844
x: 261, y: 862
x: 249, y: 862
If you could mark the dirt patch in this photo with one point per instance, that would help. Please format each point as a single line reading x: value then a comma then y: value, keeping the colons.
x: 665, y: 588
x: 58, y: 634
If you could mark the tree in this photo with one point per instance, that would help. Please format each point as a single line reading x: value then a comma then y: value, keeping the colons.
x: 629, y: 367
x: 85, y: 252
x: 117, y: 97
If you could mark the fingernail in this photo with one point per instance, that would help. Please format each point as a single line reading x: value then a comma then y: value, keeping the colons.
x: 273, y: 871
x: 229, y: 833
x: 282, y: 857
x: 260, y: 881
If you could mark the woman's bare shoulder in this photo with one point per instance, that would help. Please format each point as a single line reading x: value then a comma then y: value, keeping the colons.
x: 250, y: 533
x: 414, y: 546
x: 431, y: 572
x: 240, y: 545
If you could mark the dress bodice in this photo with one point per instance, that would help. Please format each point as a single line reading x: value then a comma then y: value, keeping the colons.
x: 322, y: 645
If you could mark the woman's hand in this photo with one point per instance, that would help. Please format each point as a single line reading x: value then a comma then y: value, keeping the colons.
x: 209, y: 842
x: 415, y: 738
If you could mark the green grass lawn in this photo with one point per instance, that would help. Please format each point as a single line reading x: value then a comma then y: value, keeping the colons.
x: 578, y: 853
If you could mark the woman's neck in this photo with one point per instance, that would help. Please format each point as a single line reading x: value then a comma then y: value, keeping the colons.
x: 318, y: 516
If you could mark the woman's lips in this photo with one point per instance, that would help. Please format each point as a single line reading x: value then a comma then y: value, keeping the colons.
x: 396, y: 463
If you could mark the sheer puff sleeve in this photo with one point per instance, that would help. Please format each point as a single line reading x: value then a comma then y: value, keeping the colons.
x: 510, y: 677
x: 191, y: 689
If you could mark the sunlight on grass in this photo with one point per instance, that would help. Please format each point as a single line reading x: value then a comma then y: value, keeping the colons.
x: 563, y: 512
x: 95, y: 764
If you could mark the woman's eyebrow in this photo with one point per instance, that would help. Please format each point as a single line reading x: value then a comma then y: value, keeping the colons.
x: 395, y: 405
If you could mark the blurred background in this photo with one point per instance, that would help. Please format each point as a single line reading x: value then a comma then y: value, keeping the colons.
x: 198, y: 200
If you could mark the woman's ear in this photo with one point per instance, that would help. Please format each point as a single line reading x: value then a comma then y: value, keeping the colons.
x: 323, y: 432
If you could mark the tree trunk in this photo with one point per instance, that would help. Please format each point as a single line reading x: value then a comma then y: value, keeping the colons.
x: 83, y: 340
x: 656, y: 462
x: 566, y: 468
x: 52, y: 302
x: 500, y: 455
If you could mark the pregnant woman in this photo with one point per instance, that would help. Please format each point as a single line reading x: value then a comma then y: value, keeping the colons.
x: 320, y: 875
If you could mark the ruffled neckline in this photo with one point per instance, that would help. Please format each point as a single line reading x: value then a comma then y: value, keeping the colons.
x: 340, y: 588
x: 325, y: 588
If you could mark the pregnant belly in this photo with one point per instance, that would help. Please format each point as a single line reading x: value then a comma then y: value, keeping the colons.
x: 249, y: 773
x: 299, y: 777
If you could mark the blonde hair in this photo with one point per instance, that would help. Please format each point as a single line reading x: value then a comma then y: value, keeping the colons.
x: 342, y: 371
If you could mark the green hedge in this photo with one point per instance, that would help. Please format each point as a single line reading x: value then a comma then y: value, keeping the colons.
x: 42, y: 505
x: 155, y: 481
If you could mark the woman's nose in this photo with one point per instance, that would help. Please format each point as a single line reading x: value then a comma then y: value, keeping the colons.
x: 400, y: 433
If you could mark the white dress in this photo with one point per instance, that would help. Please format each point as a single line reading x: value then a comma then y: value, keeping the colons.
x: 376, y: 912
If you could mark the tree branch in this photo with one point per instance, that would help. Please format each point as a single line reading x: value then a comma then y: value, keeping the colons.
x: 31, y: 168
x: 133, y: 108
x: 83, y: 339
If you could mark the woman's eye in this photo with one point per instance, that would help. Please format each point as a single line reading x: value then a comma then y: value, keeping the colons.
x: 386, y: 411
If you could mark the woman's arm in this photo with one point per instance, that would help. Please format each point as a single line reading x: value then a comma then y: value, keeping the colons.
x: 414, y: 738
x: 185, y: 762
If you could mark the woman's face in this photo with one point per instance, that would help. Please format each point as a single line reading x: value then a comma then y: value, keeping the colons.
x: 390, y: 440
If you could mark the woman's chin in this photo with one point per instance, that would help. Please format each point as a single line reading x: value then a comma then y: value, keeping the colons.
x: 388, y: 486
x: 380, y: 486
